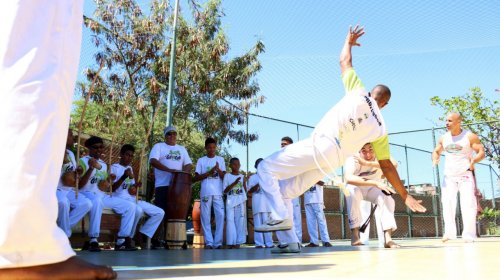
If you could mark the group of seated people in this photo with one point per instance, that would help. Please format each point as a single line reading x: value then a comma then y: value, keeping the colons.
x: 224, y: 192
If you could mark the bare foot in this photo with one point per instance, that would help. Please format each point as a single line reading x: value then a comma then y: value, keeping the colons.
x: 72, y: 268
x: 445, y: 239
x: 391, y: 245
x: 355, y: 240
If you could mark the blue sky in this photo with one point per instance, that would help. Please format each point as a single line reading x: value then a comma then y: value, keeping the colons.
x: 418, y: 48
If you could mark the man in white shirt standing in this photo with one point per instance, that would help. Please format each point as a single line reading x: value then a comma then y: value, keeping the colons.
x: 315, y: 216
x: 210, y: 170
x: 355, y: 120
x: 167, y: 157
x: 459, y: 146
x: 125, y: 187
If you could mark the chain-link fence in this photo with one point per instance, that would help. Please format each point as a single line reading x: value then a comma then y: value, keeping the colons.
x: 412, y: 150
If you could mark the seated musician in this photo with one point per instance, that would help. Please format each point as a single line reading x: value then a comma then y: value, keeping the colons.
x: 95, y: 186
x: 125, y: 187
x: 71, y: 208
x: 364, y: 178
x: 167, y: 157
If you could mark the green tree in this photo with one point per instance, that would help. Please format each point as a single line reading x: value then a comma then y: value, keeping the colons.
x: 475, y: 108
x: 135, y: 46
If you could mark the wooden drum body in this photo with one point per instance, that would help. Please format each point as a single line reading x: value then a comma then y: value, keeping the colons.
x: 178, y: 202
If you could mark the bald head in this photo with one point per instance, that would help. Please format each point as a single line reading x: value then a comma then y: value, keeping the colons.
x: 381, y: 94
x: 453, y: 122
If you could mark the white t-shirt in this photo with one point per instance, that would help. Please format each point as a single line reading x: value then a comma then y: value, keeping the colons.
x: 314, y: 195
x: 259, y: 204
x: 173, y: 157
x: 122, y: 191
x: 354, y: 121
x: 458, y: 153
x: 366, y: 172
x: 66, y: 167
x: 212, y: 185
x: 95, y: 177
x: 237, y: 194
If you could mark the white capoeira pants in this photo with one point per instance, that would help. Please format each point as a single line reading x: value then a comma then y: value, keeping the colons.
x: 297, y: 218
x: 315, y: 217
x: 155, y: 216
x: 376, y: 196
x: 71, y: 209
x: 465, y: 185
x: 120, y: 206
x: 295, y: 169
x: 39, y: 54
x: 262, y: 238
x: 236, y: 224
x: 207, y: 202
x: 287, y: 236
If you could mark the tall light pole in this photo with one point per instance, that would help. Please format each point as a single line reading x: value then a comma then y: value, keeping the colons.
x: 171, y: 78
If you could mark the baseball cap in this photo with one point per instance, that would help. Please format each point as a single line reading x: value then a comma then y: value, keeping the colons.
x: 168, y: 129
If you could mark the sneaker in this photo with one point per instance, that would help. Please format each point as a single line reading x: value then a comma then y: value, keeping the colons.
x: 312, y: 245
x: 218, y: 247
x: 125, y: 246
x: 270, y: 246
x: 259, y: 247
x: 209, y: 247
x: 157, y: 244
x: 286, y: 248
x: 327, y: 244
x: 94, y: 247
x: 275, y: 225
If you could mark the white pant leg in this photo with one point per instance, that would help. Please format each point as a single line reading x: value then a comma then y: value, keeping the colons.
x: 321, y: 220
x: 312, y: 225
x: 385, y: 204
x: 449, y: 200
x: 218, y: 205
x: 287, y: 236
x: 240, y: 222
x: 63, y: 207
x: 468, y: 206
x: 39, y: 55
x: 205, y: 213
x: 95, y: 213
x: 258, y: 237
x: 353, y: 203
x: 155, y: 216
x: 79, y: 207
x: 230, y: 226
x: 295, y: 166
x: 297, y: 218
x: 124, y: 208
x: 365, y: 208
x: 139, y: 213
x: 262, y: 238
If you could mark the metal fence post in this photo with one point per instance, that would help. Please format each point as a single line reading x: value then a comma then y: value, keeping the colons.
x: 410, y: 222
x: 493, y: 203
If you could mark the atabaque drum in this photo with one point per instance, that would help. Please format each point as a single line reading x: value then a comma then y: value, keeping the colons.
x: 178, y: 202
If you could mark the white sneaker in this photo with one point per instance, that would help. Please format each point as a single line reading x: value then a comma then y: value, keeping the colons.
x: 286, y: 249
x: 275, y: 225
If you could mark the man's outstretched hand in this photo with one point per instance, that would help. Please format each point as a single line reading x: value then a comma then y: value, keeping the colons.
x: 354, y: 35
x: 414, y: 204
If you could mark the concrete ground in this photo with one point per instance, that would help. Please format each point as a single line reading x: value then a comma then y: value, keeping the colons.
x: 417, y: 259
